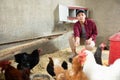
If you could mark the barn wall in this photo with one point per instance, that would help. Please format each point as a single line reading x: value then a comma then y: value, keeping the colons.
x: 27, y: 19
x: 106, y: 13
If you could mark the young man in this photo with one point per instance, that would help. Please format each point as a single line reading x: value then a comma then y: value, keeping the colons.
x: 84, y: 29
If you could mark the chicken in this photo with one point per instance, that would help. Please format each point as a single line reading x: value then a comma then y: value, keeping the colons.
x: 98, y: 53
x: 63, y: 73
x: 95, y: 71
x: 50, y: 67
x: 25, y: 74
x: 26, y: 60
x: 65, y: 65
x: 11, y: 73
x: 59, y: 71
x: 76, y: 72
x: 53, y: 67
x: 35, y: 58
x: 23, y: 60
x: 3, y: 64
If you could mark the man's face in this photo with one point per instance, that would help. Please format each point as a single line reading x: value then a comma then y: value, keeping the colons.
x: 81, y: 17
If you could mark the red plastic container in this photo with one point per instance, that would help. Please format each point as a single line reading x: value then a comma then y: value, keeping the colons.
x: 114, y: 48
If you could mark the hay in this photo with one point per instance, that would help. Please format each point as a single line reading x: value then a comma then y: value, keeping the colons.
x: 40, y: 68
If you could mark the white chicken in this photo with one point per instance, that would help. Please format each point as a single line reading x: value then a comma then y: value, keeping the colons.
x: 95, y: 71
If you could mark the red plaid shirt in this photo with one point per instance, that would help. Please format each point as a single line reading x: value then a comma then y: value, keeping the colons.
x: 90, y: 28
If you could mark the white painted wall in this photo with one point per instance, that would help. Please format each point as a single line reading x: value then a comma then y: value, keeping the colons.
x: 27, y: 19
x: 106, y: 13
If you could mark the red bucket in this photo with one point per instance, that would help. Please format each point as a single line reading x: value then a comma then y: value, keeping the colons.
x: 114, y: 48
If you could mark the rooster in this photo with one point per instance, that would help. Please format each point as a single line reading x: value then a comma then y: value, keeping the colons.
x: 98, y: 53
x: 11, y: 73
x: 95, y: 71
x: 3, y: 64
x: 27, y: 61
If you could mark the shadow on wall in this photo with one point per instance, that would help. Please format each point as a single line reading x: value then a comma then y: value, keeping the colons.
x: 101, y: 39
x: 47, y: 47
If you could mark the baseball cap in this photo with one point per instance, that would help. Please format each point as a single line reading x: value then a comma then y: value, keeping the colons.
x: 80, y: 11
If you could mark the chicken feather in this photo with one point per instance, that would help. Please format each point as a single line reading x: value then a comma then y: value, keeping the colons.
x: 95, y: 71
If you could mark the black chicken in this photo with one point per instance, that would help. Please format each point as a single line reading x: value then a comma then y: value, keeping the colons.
x: 50, y: 67
x: 65, y: 65
x: 27, y: 61
x: 98, y: 53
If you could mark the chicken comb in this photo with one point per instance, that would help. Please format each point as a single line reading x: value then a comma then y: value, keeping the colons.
x: 82, y: 56
x: 4, y: 62
x: 40, y: 49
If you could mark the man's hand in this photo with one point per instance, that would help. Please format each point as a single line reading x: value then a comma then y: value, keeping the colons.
x: 77, y: 41
x: 88, y: 41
